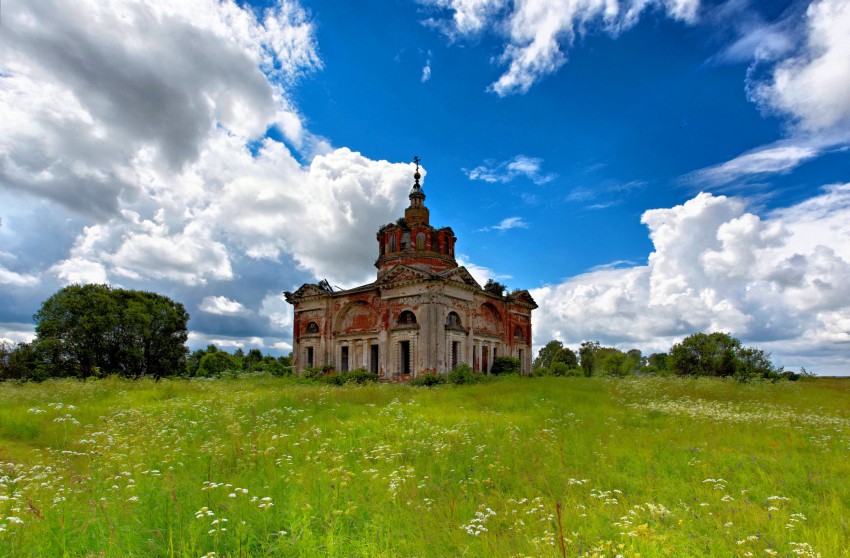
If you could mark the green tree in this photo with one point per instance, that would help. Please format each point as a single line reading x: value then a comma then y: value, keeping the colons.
x: 86, y: 330
x: 552, y: 352
x: 495, y: 287
x: 547, y: 354
x: 719, y: 354
x: 215, y: 365
x: 657, y: 362
x: 587, y: 356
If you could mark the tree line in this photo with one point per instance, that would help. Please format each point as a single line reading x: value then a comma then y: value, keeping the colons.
x: 701, y: 354
x: 85, y: 331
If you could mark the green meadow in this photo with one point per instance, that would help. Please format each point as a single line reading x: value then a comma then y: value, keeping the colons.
x: 264, y: 466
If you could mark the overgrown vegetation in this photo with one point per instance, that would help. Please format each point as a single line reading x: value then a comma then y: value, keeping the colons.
x: 700, y: 354
x: 264, y: 466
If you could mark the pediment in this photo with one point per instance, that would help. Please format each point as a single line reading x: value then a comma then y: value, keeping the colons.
x: 523, y: 297
x: 460, y: 275
x: 403, y: 273
x: 305, y: 291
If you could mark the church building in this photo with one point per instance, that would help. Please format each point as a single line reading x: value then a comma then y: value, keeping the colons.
x: 423, y: 313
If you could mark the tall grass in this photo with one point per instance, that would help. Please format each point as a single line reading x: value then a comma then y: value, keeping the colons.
x: 265, y: 466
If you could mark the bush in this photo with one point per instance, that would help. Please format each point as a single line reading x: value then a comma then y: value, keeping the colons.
x: 333, y: 379
x: 428, y: 380
x: 559, y: 369
x: 506, y: 365
x: 357, y: 376
x: 314, y: 373
x: 214, y: 365
x: 273, y: 367
x: 360, y: 376
x: 541, y: 371
x: 463, y: 374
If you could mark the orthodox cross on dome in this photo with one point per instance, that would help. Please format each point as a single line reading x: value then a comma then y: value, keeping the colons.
x: 416, y: 175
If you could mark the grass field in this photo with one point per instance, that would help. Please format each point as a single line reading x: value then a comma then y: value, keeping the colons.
x: 263, y: 466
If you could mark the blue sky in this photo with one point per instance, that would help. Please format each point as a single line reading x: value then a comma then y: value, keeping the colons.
x: 648, y: 169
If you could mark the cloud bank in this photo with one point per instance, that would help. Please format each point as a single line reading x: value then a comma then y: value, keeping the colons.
x: 778, y: 282
x: 141, y: 128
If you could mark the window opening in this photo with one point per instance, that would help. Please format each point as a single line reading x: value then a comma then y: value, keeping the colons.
x: 309, y: 357
x: 312, y: 327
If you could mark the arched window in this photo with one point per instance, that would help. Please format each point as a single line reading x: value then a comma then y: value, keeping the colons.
x: 518, y: 332
x: 392, y: 244
x: 453, y: 319
x: 420, y: 241
x: 407, y: 318
x: 312, y: 327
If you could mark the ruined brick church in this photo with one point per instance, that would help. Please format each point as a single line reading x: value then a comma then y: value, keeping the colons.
x: 422, y: 313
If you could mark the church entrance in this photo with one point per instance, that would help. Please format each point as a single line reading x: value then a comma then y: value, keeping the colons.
x: 404, y: 354
x: 373, y: 360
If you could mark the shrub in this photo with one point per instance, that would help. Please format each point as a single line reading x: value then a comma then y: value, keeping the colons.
x: 506, y: 365
x: 360, y: 376
x: 559, y: 369
x: 214, y: 365
x: 428, y: 380
x: 333, y: 379
x: 463, y: 374
x: 273, y: 367
x: 357, y: 376
x: 314, y: 373
x: 541, y: 371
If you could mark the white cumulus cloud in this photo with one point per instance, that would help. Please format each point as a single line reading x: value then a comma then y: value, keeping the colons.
x: 222, y: 306
x: 813, y: 87
x: 140, y: 116
x: 776, y: 281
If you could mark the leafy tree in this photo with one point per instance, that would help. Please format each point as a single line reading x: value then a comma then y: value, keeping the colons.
x: 253, y: 358
x: 86, y: 330
x: 20, y: 362
x: 217, y: 364
x: 657, y: 361
x: 495, y: 287
x: 194, y: 361
x: 554, y: 351
x: 614, y: 362
x: 587, y: 356
x: 719, y: 354
x: 546, y: 355
x: 637, y: 357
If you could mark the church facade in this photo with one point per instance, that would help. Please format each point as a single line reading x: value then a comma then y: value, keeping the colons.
x: 422, y: 314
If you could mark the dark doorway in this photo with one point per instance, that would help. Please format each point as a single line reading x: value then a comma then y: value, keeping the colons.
x: 485, y: 354
x: 373, y: 360
x: 309, y: 357
x: 405, y: 357
x: 344, y: 364
x: 455, y: 351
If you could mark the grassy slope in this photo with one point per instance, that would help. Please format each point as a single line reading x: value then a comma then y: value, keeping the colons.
x: 648, y: 467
